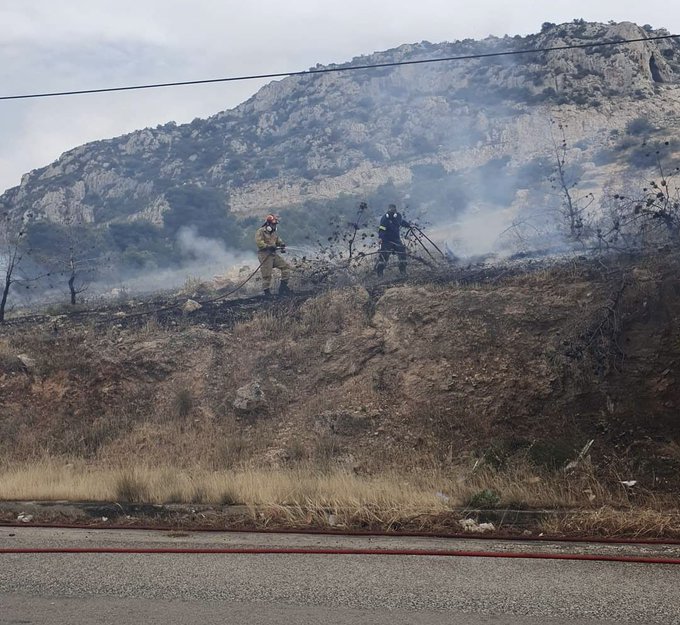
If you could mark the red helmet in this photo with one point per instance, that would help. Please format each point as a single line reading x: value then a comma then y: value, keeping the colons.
x: 271, y: 219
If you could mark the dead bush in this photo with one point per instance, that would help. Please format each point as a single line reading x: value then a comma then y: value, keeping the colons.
x: 183, y: 403
x: 327, y: 448
x: 231, y: 451
x: 9, y: 362
x: 229, y: 497
x: 198, y: 494
x: 130, y: 487
x: 296, y: 452
x: 331, y: 312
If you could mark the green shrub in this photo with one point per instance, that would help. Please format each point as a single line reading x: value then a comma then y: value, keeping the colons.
x: 484, y: 499
x: 639, y: 126
x: 553, y: 454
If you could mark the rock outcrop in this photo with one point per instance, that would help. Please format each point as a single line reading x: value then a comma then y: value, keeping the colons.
x: 410, y: 129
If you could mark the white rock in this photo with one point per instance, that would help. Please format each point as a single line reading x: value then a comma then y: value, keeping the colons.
x: 191, y: 305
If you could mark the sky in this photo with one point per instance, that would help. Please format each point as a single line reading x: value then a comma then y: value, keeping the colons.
x: 89, y: 44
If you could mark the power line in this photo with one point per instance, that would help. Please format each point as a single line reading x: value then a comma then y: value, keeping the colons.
x: 327, y: 70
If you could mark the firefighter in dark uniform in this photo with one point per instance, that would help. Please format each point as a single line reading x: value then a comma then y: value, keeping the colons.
x: 390, y: 239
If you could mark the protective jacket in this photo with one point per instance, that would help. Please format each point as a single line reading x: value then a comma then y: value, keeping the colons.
x: 389, y: 227
x: 265, y: 239
x: 267, y: 242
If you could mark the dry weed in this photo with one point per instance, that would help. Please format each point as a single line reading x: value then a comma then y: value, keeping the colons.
x: 305, y: 484
x: 263, y: 326
x: 131, y: 486
x: 183, y: 403
x: 608, y: 521
x: 331, y: 312
x: 305, y: 495
x: 523, y: 485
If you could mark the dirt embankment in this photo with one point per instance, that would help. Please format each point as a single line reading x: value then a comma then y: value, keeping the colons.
x: 446, y: 371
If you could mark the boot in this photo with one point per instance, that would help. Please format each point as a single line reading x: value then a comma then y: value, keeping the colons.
x: 283, y: 288
x: 267, y: 293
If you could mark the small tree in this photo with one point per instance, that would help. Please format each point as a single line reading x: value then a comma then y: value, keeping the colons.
x: 74, y: 260
x: 355, y: 226
x: 12, y: 239
x: 348, y: 238
x: 573, y: 205
x: 75, y: 288
x: 63, y: 251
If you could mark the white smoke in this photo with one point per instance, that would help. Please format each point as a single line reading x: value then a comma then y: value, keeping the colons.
x: 206, y: 260
x: 478, y: 231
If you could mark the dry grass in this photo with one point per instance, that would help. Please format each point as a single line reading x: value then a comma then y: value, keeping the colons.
x: 332, y: 311
x: 51, y: 479
x: 266, y: 325
x: 327, y: 313
x: 608, y: 521
x: 522, y: 485
x: 307, y: 485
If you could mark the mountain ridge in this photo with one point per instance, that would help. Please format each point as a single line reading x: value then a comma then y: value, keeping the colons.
x: 426, y: 133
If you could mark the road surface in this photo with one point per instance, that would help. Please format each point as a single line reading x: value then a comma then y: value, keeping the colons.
x: 114, y: 588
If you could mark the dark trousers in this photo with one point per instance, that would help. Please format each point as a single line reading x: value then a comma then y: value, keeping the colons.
x: 387, y: 249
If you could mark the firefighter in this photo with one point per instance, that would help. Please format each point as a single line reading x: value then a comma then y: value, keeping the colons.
x: 390, y: 239
x: 268, y: 243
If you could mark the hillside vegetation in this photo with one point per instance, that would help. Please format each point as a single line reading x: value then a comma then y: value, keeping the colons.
x: 472, y: 382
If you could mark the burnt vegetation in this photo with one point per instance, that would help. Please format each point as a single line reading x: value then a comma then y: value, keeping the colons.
x: 521, y: 362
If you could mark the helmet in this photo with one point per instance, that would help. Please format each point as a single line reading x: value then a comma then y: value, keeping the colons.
x: 270, y: 222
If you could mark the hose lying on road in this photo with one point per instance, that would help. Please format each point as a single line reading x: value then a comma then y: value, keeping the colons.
x: 349, y: 552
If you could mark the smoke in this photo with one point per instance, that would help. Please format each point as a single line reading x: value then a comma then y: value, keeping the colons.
x: 203, y: 251
x: 478, y: 231
x: 205, y: 260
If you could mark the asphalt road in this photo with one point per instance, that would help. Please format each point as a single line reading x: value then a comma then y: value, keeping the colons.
x: 81, y: 589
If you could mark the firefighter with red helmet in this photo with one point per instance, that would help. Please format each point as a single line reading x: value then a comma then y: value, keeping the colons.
x: 269, y: 243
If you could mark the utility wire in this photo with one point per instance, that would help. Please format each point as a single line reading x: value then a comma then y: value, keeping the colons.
x: 327, y: 70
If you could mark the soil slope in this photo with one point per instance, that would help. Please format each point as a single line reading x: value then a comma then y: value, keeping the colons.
x: 444, y: 368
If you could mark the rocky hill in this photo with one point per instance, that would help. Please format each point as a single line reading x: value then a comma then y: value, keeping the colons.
x: 442, y: 137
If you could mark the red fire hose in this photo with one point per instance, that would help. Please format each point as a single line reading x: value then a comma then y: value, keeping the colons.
x: 353, y: 552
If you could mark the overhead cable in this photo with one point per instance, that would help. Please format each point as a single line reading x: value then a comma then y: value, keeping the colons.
x: 346, y: 68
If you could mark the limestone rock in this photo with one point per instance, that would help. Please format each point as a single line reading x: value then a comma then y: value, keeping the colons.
x: 190, y: 306
x: 250, y: 397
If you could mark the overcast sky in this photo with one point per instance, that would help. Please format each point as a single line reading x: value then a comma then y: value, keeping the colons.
x: 83, y: 44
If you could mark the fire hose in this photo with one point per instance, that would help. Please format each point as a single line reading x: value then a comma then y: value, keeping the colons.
x: 366, y: 552
x: 340, y: 551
